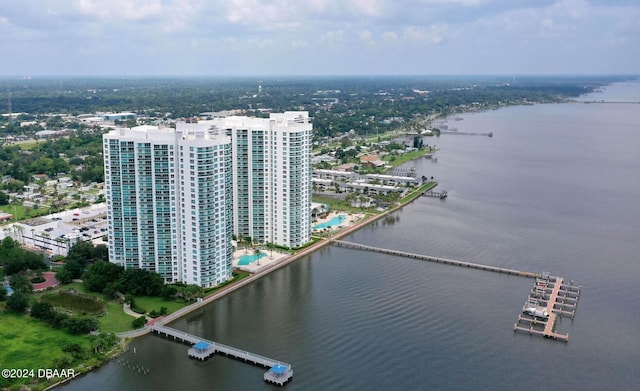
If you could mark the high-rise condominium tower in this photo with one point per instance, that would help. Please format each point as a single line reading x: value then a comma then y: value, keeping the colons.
x: 175, y: 197
x: 169, y: 197
x: 271, y: 177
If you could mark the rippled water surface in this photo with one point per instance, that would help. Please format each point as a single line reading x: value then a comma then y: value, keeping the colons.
x: 556, y: 189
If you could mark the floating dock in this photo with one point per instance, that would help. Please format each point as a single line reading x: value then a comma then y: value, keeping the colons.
x: 555, y: 299
x: 279, y: 372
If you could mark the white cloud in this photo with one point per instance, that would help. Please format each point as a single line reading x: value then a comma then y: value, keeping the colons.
x: 372, y: 8
x: 126, y: 9
x: 54, y: 31
x: 367, y: 37
x: 332, y: 38
x: 299, y: 44
x: 433, y: 35
x: 389, y: 36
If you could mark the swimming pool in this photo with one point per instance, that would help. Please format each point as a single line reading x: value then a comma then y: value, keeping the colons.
x: 9, y: 290
x: 338, y: 220
x: 247, y: 259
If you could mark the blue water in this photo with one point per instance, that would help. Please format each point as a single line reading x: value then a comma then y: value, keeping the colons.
x: 554, y: 190
x: 338, y: 220
x: 247, y: 259
x: 9, y: 290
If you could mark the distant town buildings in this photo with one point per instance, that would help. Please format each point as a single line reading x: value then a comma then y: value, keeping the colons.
x: 58, y: 232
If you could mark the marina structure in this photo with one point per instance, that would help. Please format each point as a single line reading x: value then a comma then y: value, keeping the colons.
x: 551, y: 298
x: 279, y: 373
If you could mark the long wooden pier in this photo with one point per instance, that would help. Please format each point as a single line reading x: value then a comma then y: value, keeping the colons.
x: 279, y: 372
x: 489, y: 134
x: 495, y: 269
x: 554, y: 298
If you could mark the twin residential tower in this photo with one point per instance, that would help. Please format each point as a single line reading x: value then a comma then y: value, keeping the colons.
x: 176, y: 196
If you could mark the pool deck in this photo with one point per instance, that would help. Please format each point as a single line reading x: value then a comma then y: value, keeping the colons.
x: 255, y: 266
x: 351, y: 219
x: 275, y: 256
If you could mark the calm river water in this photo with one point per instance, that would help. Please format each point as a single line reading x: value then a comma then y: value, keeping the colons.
x: 556, y: 189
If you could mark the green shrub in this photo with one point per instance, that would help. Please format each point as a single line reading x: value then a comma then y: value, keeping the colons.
x: 139, y: 322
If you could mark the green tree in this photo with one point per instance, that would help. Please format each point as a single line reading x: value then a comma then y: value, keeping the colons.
x: 103, y: 342
x: 18, y: 302
x: 191, y: 292
x: 81, y: 325
x: 59, y: 319
x: 74, y: 267
x: 168, y: 292
x: 64, y: 276
x: 139, y: 322
x: 141, y: 282
x: 100, y: 275
x: 81, y: 251
x: 14, y: 263
x: 3, y: 293
x: 34, y: 261
x: 42, y: 311
x: 20, y: 283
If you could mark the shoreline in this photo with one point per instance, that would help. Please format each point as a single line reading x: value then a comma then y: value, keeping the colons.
x: 280, y: 263
x: 128, y: 336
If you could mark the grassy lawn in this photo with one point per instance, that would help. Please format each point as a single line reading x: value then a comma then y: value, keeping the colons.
x: 416, y: 193
x: 409, y: 156
x: 338, y: 204
x: 19, y: 212
x: 114, y: 319
x: 31, y: 344
x: 150, y: 303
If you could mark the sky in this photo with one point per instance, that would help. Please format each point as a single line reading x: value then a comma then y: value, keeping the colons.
x: 318, y: 37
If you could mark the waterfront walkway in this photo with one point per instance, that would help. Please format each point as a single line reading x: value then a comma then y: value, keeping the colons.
x: 357, y: 246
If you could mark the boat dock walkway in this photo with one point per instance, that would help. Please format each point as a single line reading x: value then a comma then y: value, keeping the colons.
x: 437, y: 194
x: 496, y: 269
x: 489, y: 134
x: 279, y: 372
x: 557, y: 299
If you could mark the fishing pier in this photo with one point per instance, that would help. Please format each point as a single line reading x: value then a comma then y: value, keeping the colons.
x: 279, y: 372
x: 551, y: 298
x: 470, y: 265
x: 489, y: 134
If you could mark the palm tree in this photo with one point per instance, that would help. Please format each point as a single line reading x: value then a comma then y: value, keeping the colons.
x: 257, y: 253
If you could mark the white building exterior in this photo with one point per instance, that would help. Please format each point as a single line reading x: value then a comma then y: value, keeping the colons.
x: 169, y: 199
x: 272, y: 177
x: 176, y: 197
